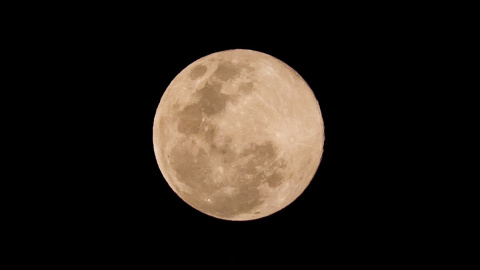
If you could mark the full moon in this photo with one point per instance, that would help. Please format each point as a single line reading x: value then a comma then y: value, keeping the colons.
x: 238, y: 135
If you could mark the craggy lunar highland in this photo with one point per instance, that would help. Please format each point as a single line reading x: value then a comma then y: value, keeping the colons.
x: 238, y: 135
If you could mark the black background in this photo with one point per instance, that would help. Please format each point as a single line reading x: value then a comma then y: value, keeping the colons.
x: 112, y: 200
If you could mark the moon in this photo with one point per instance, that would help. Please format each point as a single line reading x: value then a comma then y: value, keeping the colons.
x: 238, y: 135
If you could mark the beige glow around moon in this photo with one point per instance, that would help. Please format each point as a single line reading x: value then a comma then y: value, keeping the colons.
x: 238, y: 135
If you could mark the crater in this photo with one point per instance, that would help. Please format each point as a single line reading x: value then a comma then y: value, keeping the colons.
x: 245, y: 180
x: 243, y: 201
x: 255, y: 158
x: 245, y: 198
x: 198, y: 72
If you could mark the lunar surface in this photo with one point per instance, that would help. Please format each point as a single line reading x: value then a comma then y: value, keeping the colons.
x: 238, y: 135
